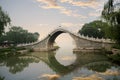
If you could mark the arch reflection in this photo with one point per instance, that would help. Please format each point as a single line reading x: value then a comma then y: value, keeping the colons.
x: 92, y: 61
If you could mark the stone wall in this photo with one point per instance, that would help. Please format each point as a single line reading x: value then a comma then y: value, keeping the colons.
x: 81, y: 42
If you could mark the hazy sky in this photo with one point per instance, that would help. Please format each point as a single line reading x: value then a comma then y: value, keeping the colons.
x: 44, y: 15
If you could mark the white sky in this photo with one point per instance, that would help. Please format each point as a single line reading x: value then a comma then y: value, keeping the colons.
x: 45, y: 15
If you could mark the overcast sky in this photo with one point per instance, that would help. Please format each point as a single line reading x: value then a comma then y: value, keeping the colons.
x: 45, y: 15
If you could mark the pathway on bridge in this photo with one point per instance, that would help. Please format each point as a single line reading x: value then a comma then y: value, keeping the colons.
x: 81, y: 41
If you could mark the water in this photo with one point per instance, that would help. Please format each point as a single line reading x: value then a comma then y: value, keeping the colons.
x: 62, y: 64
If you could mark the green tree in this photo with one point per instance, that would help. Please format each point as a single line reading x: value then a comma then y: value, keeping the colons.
x: 18, y: 35
x: 4, y: 20
x: 36, y: 36
x: 95, y: 29
x: 111, y: 13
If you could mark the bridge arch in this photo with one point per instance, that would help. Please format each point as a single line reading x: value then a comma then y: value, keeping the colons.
x: 82, y: 43
x: 54, y: 35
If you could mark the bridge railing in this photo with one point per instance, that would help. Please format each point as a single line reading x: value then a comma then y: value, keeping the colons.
x: 71, y: 32
x: 85, y: 37
x: 96, y: 39
x: 27, y: 44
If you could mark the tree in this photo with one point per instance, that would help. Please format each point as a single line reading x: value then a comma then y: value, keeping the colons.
x: 4, y: 20
x: 18, y: 35
x: 95, y: 29
x: 36, y: 36
x: 111, y: 13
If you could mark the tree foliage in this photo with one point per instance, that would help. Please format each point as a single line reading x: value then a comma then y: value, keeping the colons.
x: 96, y: 29
x: 18, y: 35
x: 4, y: 20
x: 111, y: 13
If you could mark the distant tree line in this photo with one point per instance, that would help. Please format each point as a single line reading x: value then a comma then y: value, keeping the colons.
x: 4, y: 20
x: 111, y: 14
x: 95, y: 29
x: 108, y: 26
x: 18, y: 35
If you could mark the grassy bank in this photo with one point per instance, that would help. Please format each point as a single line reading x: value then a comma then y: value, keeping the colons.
x: 11, y: 49
x: 114, y: 55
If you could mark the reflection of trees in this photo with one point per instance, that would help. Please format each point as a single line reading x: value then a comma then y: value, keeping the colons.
x: 100, y: 66
x: 15, y: 62
x: 2, y: 78
x: 93, y: 61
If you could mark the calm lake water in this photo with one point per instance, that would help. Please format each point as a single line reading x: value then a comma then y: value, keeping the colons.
x: 62, y: 64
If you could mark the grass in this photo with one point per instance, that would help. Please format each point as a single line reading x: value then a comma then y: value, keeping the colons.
x: 11, y: 49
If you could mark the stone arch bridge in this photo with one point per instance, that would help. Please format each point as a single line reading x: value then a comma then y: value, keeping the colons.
x: 81, y: 42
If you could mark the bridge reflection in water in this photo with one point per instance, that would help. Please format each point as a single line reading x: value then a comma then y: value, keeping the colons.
x: 92, y: 61
x: 20, y: 64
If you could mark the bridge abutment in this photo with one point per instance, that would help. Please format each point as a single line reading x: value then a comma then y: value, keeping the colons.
x: 81, y: 43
